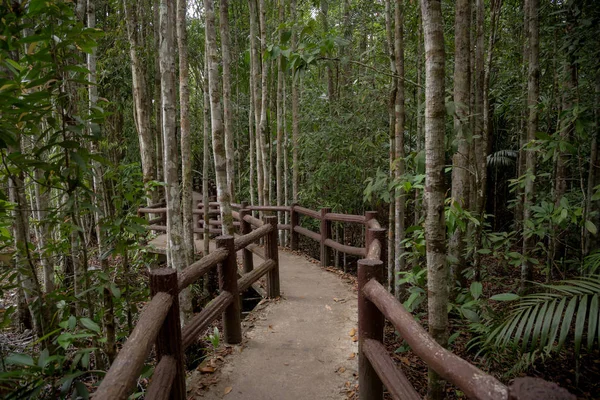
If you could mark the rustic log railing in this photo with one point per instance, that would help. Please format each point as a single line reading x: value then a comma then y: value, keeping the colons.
x: 375, y: 304
x: 159, y: 321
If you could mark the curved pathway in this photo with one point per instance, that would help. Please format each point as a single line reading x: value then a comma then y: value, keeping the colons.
x: 302, y: 346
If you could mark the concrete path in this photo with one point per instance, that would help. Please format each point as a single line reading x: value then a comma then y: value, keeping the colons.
x: 298, y: 347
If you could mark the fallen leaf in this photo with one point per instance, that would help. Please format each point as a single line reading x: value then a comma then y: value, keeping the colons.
x: 354, y: 339
x: 286, y: 364
x: 352, y: 355
x: 327, y: 307
x: 207, y: 370
x: 227, y: 390
x: 336, y: 299
x: 405, y: 361
x: 341, y: 370
x: 352, y: 332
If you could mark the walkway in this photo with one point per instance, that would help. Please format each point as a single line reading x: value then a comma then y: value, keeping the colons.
x: 299, y: 347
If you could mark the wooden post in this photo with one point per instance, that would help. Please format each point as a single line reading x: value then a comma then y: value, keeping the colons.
x: 294, y: 221
x: 370, y: 326
x: 245, y: 228
x: 168, y: 341
x: 232, y: 324
x: 325, y: 234
x: 272, y: 253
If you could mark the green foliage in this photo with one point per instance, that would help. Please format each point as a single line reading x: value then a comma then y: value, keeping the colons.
x: 545, y: 320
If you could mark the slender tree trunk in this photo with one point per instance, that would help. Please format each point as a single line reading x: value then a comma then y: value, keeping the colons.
x: 227, y: 108
x: 325, y: 21
x: 158, y: 137
x: 533, y: 94
x: 141, y: 111
x: 392, y: 139
x: 400, y: 197
x: 295, y: 106
x: 419, y: 102
x: 460, y: 160
x: 435, y: 223
x: 280, y: 115
x: 252, y: 142
x: 264, y: 101
x: 257, y: 97
x: 176, y: 246
x: 42, y: 203
x: 216, y: 119
x: 593, y: 175
x: 186, y: 141
x: 521, y: 167
x: 206, y: 157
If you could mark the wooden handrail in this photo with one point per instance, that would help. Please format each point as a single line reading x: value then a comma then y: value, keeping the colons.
x: 356, y: 251
x: 124, y: 371
x: 195, y: 271
x: 308, y: 212
x: 203, y: 319
x: 269, y: 208
x: 345, y: 217
x: 243, y: 241
x: 148, y: 210
x: 254, y: 221
x: 248, y: 279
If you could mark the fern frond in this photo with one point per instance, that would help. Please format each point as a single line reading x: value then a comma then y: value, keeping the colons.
x: 543, y: 321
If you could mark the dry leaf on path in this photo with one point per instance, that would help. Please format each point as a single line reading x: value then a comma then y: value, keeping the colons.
x: 352, y: 332
x: 327, y: 307
x: 227, y: 390
x: 207, y: 370
x: 352, y: 355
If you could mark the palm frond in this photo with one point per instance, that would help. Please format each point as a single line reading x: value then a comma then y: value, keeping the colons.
x: 502, y: 158
x: 544, y: 321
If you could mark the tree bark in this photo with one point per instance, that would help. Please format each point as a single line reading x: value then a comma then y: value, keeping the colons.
x: 257, y: 97
x: 533, y: 94
x: 460, y: 160
x: 206, y: 157
x: 227, y: 108
x: 435, y: 223
x: 186, y: 140
x: 176, y: 246
x: 264, y: 102
x: 141, y: 103
x: 216, y: 119
x: 295, y: 106
x: 400, y: 197
x: 279, y: 161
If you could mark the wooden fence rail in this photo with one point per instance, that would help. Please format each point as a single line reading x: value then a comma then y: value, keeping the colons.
x: 376, y: 368
x: 159, y: 321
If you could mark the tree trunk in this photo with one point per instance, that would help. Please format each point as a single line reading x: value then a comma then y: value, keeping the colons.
x: 158, y: 137
x: 435, y: 223
x: 186, y: 141
x: 257, y: 97
x: 325, y: 21
x: 216, y: 119
x: 206, y: 158
x: 295, y: 116
x: 141, y: 112
x: 533, y: 94
x: 176, y: 246
x: 400, y: 197
x: 392, y: 135
x: 279, y: 161
x: 227, y: 108
x: 460, y: 160
x: 263, y: 131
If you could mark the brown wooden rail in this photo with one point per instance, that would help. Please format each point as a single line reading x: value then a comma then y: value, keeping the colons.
x: 159, y: 321
x: 376, y: 367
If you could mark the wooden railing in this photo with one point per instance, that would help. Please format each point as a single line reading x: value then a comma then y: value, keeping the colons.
x: 375, y: 304
x: 159, y: 322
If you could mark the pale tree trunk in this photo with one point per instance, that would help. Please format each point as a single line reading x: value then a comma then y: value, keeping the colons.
x: 533, y: 94
x: 389, y: 31
x: 264, y: 102
x: 435, y: 223
x: 186, y: 142
x: 158, y: 137
x: 286, y: 178
x: 419, y: 102
x: 257, y: 97
x: 100, y: 198
x: 206, y: 158
x: 400, y: 197
x: 325, y: 21
x: 216, y: 119
x: 41, y: 195
x: 27, y: 276
x: 569, y: 85
x: 479, y: 145
x: 519, y: 207
x: 279, y: 160
x: 460, y: 160
x: 141, y: 110
x: 227, y: 109
x: 252, y: 142
x: 176, y: 246
x: 295, y: 106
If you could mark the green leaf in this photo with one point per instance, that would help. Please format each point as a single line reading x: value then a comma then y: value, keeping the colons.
x: 589, y: 225
x: 564, y: 329
x: 593, y: 322
x: 89, y: 324
x: 115, y: 290
x: 580, y: 323
x: 20, y: 359
x: 476, y: 289
x: 505, y: 297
